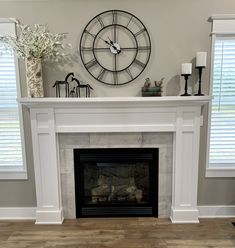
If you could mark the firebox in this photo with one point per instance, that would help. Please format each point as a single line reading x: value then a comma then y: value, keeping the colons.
x: 116, y: 182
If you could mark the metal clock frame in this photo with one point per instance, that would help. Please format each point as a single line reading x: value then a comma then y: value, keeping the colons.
x: 115, y: 25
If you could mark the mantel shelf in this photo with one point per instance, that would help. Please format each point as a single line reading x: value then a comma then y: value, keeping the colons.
x: 165, y: 100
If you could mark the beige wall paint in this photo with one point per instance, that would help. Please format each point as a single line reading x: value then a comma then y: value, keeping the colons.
x: 178, y: 29
x: 20, y: 193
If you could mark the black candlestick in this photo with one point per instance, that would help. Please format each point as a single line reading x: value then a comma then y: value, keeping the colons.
x: 200, y: 68
x: 186, y: 84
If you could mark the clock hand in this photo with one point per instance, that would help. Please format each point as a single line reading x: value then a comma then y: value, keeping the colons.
x: 118, y: 51
x: 105, y: 41
x: 111, y: 42
x: 115, y: 48
x: 113, y: 45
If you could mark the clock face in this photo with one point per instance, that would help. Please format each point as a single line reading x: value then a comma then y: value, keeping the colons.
x: 115, y: 47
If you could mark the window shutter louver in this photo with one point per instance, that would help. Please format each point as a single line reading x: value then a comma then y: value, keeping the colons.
x: 222, y: 133
x: 10, y: 136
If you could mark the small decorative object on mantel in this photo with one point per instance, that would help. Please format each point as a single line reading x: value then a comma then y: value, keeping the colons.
x: 156, y: 90
x: 34, y: 45
x: 62, y: 87
x: 80, y: 86
x: 186, y: 71
x: 200, y: 65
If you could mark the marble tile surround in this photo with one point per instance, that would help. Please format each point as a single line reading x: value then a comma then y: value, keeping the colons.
x: 163, y: 141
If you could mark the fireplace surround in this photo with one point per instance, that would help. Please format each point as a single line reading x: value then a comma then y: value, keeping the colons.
x: 178, y: 115
x: 70, y: 141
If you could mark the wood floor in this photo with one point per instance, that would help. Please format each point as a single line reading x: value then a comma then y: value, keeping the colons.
x: 118, y: 233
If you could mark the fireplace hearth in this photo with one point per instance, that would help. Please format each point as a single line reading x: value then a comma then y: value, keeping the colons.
x: 116, y: 182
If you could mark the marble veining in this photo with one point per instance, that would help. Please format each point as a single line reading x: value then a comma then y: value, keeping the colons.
x: 163, y: 141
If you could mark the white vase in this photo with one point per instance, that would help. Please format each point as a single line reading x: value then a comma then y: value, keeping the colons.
x: 34, y: 77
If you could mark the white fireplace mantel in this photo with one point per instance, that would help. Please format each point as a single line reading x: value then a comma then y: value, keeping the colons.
x: 180, y: 115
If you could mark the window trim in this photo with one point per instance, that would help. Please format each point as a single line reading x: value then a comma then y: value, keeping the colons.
x: 21, y: 173
x: 222, y: 28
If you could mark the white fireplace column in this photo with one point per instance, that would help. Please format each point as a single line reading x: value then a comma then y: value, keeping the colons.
x: 46, y: 161
x: 185, y: 165
x: 180, y: 115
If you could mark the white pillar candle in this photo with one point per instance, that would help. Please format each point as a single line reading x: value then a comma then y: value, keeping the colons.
x: 201, y: 59
x: 186, y: 68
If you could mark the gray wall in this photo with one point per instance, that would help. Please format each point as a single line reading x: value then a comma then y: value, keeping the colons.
x: 178, y: 29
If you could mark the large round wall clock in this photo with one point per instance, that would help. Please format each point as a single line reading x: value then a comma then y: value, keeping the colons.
x: 115, y: 47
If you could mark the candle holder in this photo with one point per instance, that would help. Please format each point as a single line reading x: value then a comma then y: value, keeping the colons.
x: 186, y: 84
x: 200, y: 68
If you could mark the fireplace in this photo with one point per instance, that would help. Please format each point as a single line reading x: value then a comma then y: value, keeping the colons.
x: 116, y: 182
x: 179, y: 115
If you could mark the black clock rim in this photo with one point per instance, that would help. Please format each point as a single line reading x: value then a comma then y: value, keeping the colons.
x: 147, y: 61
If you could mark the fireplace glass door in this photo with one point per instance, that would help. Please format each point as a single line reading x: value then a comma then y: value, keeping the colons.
x: 116, y: 182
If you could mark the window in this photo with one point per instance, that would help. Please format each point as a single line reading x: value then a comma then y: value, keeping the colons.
x: 11, y: 149
x: 221, y: 156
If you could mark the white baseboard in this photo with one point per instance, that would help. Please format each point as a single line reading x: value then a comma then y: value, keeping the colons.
x: 227, y: 211
x: 29, y: 213
x: 23, y: 213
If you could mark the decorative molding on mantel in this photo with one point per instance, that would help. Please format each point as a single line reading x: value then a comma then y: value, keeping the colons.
x: 164, y: 100
x: 115, y: 114
x: 180, y: 115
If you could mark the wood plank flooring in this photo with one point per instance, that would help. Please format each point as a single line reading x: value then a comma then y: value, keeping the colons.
x: 118, y: 233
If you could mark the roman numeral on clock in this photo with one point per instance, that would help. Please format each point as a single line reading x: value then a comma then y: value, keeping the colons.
x: 143, y: 48
x: 100, y: 21
x: 114, y: 13
x: 87, y: 32
x: 101, y: 74
x: 139, y: 63
x: 91, y: 63
x: 86, y: 49
x: 129, y: 21
x: 129, y: 73
x: 140, y: 32
x: 115, y: 78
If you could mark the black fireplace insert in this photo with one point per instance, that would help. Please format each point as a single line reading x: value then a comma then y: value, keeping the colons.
x: 116, y: 182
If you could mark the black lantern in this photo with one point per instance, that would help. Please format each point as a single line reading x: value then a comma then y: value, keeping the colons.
x: 62, y: 87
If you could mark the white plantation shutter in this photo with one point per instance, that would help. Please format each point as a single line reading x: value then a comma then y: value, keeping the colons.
x: 11, y: 159
x: 222, y: 133
x: 10, y: 136
x: 221, y: 123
